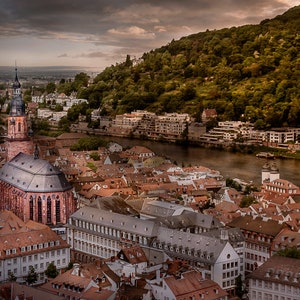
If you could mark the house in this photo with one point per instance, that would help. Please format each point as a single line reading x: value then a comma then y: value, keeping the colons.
x: 86, y: 281
x: 16, y: 291
x: 114, y: 147
x: 214, y: 256
x: 188, y: 285
x: 208, y: 115
x: 286, y: 239
x: 140, y: 152
x: 156, y: 208
x: 277, y: 279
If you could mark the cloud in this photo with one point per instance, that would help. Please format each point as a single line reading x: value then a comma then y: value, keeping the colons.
x: 132, y: 32
x: 92, y: 54
x: 74, y: 27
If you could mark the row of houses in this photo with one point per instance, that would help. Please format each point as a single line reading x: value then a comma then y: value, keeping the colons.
x: 174, y: 126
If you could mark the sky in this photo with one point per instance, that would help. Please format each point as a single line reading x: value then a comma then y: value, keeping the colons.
x: 100, y: 33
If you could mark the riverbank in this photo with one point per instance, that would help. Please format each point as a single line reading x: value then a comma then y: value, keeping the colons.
x: 233, y: 147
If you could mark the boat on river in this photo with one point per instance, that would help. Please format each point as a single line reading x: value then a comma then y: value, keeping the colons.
x: 266, y: 155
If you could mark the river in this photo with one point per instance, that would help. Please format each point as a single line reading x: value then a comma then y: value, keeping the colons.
x: 231, y: 165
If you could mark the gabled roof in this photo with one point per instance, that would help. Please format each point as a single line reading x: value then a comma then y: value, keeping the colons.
x: 191, y: 283
x: 133, y: 255
x: 84, y: 282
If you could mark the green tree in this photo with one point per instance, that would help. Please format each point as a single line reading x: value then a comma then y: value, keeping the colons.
x: 51, y: 271
x: 50, y: 87
x: 240, y: 289
x: 70, y: 266
x: 95, y: 156
x: 32, y: 276
x: 64, y: 124
x: 11, y: 277
x: 292, y: 252
x: 247, y: 201
x: 88, y: 144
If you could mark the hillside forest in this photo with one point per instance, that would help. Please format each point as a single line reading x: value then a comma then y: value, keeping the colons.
x: 248, y: 73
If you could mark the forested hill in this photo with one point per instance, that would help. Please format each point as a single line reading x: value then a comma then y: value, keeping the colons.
x: 250, y: 72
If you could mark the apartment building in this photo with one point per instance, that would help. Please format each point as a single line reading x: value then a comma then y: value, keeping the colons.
x: 25, y: 245
x: 259, y: 236
x: 282, y: 136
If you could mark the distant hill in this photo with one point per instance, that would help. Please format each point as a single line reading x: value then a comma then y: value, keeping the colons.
x: 250, y: 72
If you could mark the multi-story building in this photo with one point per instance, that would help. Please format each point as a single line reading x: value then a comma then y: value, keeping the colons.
x: 282, y: 136
x: 276, y: 279
x: 25, y: 245
x: 259, y: 236
x: 171, y: 126
x: 94, y: 233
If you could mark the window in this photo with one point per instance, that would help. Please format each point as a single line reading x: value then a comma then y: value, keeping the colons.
x: 49, y: 210
x: 31, y: 208
x: 40, y: 214
x: 57, y: 210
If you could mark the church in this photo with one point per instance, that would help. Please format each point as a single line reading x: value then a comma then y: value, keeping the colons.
x: 30, y: 187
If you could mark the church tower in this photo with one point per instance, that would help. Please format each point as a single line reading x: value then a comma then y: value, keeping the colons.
x: 18, y: 139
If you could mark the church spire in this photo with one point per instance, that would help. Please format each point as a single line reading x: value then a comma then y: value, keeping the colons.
x: 17, y: 106
x: 36, y: 152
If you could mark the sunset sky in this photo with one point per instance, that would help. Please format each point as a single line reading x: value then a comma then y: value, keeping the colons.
x: 100, y: 33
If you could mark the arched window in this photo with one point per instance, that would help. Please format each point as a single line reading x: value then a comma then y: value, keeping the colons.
x: 57, y: 210
x: 31, y: 208
x: 40, y: 214
x: 19, y: 126
x: 48, y: 210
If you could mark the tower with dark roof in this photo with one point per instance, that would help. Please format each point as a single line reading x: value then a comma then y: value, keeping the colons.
x: 18, y: 139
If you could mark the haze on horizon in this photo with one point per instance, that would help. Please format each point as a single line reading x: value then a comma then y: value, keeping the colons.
x: 101, y: 33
